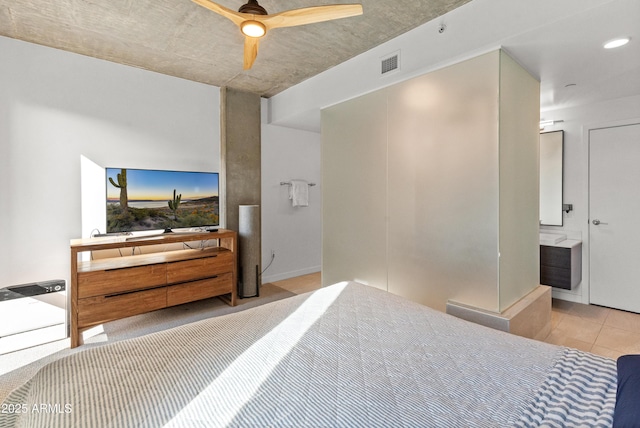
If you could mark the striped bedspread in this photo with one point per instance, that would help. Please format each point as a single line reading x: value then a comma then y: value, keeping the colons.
x: 344, y: 356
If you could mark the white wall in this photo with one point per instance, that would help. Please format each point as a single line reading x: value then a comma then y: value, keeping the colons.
x: 577, y: 122
x: 294, y: 233
x: 58, y: 107
x: 475, y: 28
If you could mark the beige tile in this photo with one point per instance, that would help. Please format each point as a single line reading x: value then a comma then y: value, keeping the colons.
x: 571, y: 326
x: 592, y: 313
x: 578, y: 344
x: 561, y: 306
x: 605, y: 352
x: 555, y: 338
x: 559, y: 338
x: 618, y: 340
x: 555, y: 319
x: 623, y: 320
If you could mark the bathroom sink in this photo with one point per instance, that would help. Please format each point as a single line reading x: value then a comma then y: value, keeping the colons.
x: 548, y: 238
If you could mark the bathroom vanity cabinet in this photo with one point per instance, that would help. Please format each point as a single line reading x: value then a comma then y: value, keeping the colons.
x: 561, y: 264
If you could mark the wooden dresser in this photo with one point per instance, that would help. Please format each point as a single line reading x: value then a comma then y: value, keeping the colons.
x: 128, y: 284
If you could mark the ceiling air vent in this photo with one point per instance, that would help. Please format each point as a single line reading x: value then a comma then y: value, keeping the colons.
x: 390, y: 63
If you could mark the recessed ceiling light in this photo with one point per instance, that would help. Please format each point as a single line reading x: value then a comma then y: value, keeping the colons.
x: 616, y: 43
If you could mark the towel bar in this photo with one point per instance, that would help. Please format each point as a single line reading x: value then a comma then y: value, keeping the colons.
x: 288, y: 183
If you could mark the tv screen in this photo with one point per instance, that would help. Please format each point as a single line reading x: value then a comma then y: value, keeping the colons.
x: 141, y: 199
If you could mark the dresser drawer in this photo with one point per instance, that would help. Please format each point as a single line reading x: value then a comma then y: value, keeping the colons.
x: 197, y: 290
x: 113, y: 281
x: 96, y: 310
x: 189, y: 270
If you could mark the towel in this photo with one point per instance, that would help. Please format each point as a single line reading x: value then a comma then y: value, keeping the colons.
x: 299, y: 193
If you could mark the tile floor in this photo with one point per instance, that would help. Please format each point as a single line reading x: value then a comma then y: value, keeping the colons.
x: 602, y: 331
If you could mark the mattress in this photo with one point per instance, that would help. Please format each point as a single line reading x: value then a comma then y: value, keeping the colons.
x: 347, y: 355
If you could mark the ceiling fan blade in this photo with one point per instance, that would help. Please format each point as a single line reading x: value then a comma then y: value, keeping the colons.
x: 236, y: 17
x: 309, y: 15
x: 250, y: 51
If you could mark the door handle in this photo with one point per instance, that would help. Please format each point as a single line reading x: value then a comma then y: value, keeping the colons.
x: 597, y: 222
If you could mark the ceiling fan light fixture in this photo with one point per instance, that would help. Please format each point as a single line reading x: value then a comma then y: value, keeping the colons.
x: 253, y: 8
x: 252, y: 28
x: 254, y: 21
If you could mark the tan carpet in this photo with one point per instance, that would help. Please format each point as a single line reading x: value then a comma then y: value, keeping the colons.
x: 125, y: 329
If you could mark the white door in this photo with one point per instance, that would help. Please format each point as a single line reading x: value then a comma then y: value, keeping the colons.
x: 614, y: 217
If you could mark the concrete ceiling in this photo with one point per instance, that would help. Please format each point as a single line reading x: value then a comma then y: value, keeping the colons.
x: 182, y: 39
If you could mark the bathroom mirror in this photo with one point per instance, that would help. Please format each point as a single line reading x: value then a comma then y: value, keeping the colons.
x: 551, y: 160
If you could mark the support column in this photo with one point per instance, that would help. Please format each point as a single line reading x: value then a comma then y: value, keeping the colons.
x: 240, y: 155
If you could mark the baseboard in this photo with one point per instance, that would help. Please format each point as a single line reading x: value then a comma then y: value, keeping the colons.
x: 40, y: 336
x: 568, y: 296
x: 291, y: 274
x: 528, y: 317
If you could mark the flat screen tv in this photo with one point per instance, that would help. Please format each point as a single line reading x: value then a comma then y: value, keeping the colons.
x: 142, y: 199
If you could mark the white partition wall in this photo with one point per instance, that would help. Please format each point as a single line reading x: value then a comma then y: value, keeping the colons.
x: 519, y: 181
x: 443, y: 171
x: 458, y: 184
x: 354, y: 201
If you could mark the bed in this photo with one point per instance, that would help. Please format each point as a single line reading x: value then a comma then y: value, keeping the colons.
x: 347, y: 355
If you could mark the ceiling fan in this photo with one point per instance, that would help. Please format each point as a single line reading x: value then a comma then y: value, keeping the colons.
x: 254, y: 21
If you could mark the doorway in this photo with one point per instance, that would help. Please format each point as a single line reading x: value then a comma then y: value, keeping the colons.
x: 614, y: 212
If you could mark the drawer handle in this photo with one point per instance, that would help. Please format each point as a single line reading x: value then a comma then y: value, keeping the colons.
x: 196, y: 259
x: 116, y: 269
x: 124, y: 293
x: 123, y: 268
x: 192, y: 280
